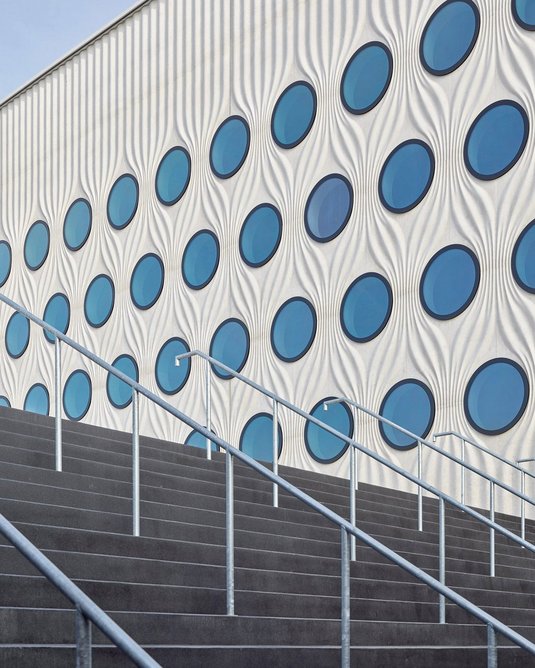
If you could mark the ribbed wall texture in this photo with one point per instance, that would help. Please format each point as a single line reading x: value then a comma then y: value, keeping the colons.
x: 168, y: 75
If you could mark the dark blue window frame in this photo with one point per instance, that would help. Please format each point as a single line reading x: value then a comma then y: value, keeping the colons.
x: 265, y: 205
x: 220, y: 372
x: 45, y: 256
x: 186, y: 183
x: 432, y: 415
x: 202, y: 285
x: 92, y: 324
x: 313, y: 334
x: 388, y: 53
x: 351, y: 432
x: 343, y: 225
x: 82, y: 415
x: 516, y: 275
x: 90, y: 226
x: 228, y: 175
x: 365, y: 339
x: 279, y: 430
x: 134, y: 211
x: 306, y: 132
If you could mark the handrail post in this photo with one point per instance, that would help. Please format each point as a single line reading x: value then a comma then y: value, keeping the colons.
x: 492, y: 537
x: 352, y: 500
x: 57, y: 401
x: 229, y: 515
x: 442, y: 558
x: 345, y: 613
x: 83, y: 639
x: 275, y: 451
x: 522, y: 506
x: 135, y: 463
x: 208, y: 402
x: 463, y: 470
x: 420, y: 500
x: 492, y: 654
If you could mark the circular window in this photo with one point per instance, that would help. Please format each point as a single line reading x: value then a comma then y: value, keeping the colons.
x: 99, y: 300
x: 37, y: 400
x: 328, y: 207
x: 366, y: 307
x: 523, y: 260
x: 496, y: 396
x: 37, y: 245
x: 524, y: 13
x: 119, y: 392
x: 4, y: 401
x: 496, y: 140
x: 366, y: 77
x: 197, y: 440
x: 17, y: 335
x: 449, y: 282
x: 77, y: 225
x: 170, y: 377
x: 294, y: 114
x: 5, y: 262
x: 58, y: 314
x: 147, y: 281
x: 410, y: 405
x: 172, y: 177
x: 230, y: 146
x: 260, y: 235
x: 293, y: 329
x: 77, y: 395
x: 449, y: 36
x: 123, y: 201
x: 323, y: 446
x: 256, y: 439
x: 406, y: 176
x: 230, y: 345
x: 200, y: 259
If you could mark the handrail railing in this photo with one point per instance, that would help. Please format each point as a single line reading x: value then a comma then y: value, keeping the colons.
x: 346, y: 528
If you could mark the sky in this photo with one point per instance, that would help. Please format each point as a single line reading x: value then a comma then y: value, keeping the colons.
x: 36, y: 33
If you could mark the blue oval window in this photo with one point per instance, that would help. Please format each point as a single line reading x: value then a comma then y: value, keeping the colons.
x: 328, y: 207
x: 77, y: 395
x: 366, y: 307
x: 293, y: 329
x: 294, y: 114
x: 99, y: 300
x: 366, y: 77
x: 449, y: 36
x: 37, y: 400
x: 406, y: 176
x: 496, y: 396
x: 200, y: 259
x: 410, y: 405
x: 119, y: 392
x: 230, y: 146
x: 77, y: 225
x: 524, y: 258
x: 123, y: 201
x: 260, y: 235
x: 256, y: 439
x: 172, y: 177
x: 496, y: 140
x: 4, y: 401
x: 230, y: 345
x: 524, y: 13
x: 17, y: 335
x: 58, y: 314
x: 323, y: 446
x: 197, y: 440
x: 37, y: 245
x: 449, y: 282
x: 147, y: 281
x: 5, y: 262
x: 170, y: 377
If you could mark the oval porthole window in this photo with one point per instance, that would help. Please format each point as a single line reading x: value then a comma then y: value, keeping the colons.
x: 366, y: 307
x: 99, y: 300
x: 230, y: 345
x: 230, y: 146
x: 496, y: 140
x: 449, y: 282
x: 294, y: 114
x: 524, y: 13
x: 523, y: 260
x: 77, y: 224
x: 37, y: 400
x: 323, y: 446
x: 256, y: 439
x: 496, y: 396
x: 172, y: 177
x: 17, y: 335
x: 146, y: 283
x: 293, y: 329
x: 329, y: 207
x: 449, y: 36
x: 197, y: 440
x: 410, y: 405
x: 58, y: 314
x: 37, y: 245
x: 77, y: 395
x: 366, y: 77
x: 4, y: 401
x: 200, y: 259
x: 171, y: 377
x: 406, y: 176
x: 122, y: 201
x: 120, y: 392
x: 5, y: 262
x: 260, y: 235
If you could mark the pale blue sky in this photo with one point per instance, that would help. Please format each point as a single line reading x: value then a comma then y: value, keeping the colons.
x: 36, y: 33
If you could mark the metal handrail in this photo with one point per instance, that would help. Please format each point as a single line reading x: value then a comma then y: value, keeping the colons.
x: 346, y: 528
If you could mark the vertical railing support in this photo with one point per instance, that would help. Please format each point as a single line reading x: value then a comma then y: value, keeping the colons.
x: 57, y: 402
x: 420, y: 500
x: 352, y: 501
x: 463, y: 470
x: 229, y: 515
x: 492, y: 654
x: 135, y: 462
x: 275, y: 451
x: 83, y: 640
x: 523, y: 506
x: 345, y: 613
x: 442, y: 557
x: 492, y: 536
x: 208, y: 403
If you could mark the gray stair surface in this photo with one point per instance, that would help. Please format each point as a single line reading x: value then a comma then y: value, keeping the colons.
x: 166, y: 588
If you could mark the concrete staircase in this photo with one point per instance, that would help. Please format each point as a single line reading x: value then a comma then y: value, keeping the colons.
x: 167, y: 588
